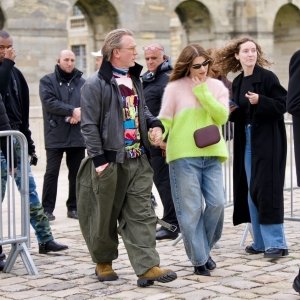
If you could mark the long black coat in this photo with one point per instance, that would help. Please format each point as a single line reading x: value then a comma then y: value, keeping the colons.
x: 268, y: 142
x: 293, y: 105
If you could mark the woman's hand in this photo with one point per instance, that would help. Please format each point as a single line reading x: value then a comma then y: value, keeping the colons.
x: 252, y: 97
x: 197, y: 80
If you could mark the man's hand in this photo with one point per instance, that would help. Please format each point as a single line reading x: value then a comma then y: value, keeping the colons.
x: 33, y: 159
x: 100, y: 169
x: 76, y: 114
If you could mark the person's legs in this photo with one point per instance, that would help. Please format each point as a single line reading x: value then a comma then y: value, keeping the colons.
x: 213, y: 192
x: 258, y: 243
x: 185, y: 175
x: 38, y: 219
x: 54, y: 157
x: 137, y: 220
x: 74, y: 156
x: 162, y: 182
x: 273, y: 236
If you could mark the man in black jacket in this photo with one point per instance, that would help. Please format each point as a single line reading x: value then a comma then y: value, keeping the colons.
x: 154, y: 82
x: 293, y: 107
x: 114, y: 183
x: 60, y: 97
x: 15, y: 95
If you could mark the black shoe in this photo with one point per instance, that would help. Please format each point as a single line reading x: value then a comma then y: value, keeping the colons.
x: 296, y: 284
x: 2, y: 265
x: 164, y: 234
x: 50, y: 216
x: 251, y: 250
x: 51, y: 246
x: 210, y: 264
x: 201, y: 270
x: 72, y: 214
x: 275, y: 253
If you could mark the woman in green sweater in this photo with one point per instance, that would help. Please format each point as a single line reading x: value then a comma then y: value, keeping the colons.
x: 193, y: 100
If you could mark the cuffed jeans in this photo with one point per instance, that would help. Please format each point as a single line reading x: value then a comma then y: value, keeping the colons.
x: 38, y: 219
x: 265, y: 236
x: 198, y: 195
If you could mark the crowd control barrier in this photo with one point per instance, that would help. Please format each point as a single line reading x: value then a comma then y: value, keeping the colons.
x: 14, y: 207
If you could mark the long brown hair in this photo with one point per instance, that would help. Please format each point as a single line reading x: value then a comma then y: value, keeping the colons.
x: 185, y: 60
x: 226, y: 61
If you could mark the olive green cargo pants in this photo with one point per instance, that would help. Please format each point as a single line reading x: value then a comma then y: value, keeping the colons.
x: 121, y: 194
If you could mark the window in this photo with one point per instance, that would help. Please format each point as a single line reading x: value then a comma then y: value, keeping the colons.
x: 80, y: 52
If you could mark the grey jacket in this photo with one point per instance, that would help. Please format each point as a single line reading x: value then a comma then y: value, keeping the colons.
x: 102, y: 115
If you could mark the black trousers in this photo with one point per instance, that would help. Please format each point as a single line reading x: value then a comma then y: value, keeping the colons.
x: 162, y: 182
x: 74, y: 156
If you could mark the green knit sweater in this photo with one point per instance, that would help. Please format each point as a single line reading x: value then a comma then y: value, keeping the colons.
x: 185, y: 108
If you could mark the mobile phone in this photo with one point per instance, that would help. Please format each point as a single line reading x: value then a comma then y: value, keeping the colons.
x: 232, y: 104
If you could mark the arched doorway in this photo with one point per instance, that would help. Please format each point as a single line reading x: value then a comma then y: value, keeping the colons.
x: 191, y: 23
x: 286, y: 30
x: 89, y: 23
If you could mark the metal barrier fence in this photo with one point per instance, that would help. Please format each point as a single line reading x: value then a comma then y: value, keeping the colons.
x: 14, y: 222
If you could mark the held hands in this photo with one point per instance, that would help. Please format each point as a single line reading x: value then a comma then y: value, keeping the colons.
x: 252, y: 97
x: 155, y: 136
x: 76, y: 116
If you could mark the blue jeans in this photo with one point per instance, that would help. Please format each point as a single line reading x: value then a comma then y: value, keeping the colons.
x: 198, y: 195
x: 265, y: 236
x: 38, y: 219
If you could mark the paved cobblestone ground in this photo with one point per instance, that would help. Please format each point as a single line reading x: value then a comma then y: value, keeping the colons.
x: 70, y: 275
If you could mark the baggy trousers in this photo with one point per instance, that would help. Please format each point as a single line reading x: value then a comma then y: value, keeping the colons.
x: 121, y: 194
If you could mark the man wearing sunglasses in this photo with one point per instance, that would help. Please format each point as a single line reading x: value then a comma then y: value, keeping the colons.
x: 154, y: 82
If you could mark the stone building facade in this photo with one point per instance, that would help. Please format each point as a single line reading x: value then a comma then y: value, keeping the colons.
x: 41, y: 28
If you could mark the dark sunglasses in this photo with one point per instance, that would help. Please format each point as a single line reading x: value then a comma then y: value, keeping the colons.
x: 204, y: 64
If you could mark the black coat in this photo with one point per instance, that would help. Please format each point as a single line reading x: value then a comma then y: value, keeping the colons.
x: 59, y: 97
x: 269, y: 146
x: 7, y: 69
x: 293, y: 105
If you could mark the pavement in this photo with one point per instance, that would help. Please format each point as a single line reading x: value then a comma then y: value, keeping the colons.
x: 70, y: 274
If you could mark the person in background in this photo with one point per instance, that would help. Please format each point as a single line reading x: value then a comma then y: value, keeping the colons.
x: 4, y: 125
x: 60, y: 97
x: 114, y: 182
x: 259, y: 146
x: 216, y: 72
x: 154, y: 82
x: 194, y: 100
x: 293, y: 107
x: 15, y: 95
x: 98, y: 59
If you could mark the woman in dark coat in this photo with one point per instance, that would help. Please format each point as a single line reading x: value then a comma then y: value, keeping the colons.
x: 259, y: 146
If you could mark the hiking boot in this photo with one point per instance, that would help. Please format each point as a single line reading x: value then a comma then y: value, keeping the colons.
x: 105, y: 272
x: 156, y: 274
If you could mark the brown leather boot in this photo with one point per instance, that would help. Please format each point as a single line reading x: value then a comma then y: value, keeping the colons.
x: 105, y: 272
x: 156, y: 274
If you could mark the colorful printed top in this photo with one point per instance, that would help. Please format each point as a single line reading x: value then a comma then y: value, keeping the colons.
x: 185, y: 108
x: 130, y: 100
